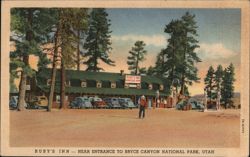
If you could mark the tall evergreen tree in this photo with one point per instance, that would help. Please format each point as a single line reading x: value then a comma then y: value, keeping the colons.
x: 159, y: 65
x: 173, y: 50
x: 80, y: 27
x: 210, y: 82
x: 227, y: 85
x: 69, y: 39
x: 98, y: 42
x: 137, y: 55
x: 29, y: 27
x: 189, y: 56
x: 66, y: 39
x: 180, y: 52
x: 218, y: 78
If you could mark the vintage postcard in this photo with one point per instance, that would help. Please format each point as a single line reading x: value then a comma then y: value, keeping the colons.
x: 125, y: 78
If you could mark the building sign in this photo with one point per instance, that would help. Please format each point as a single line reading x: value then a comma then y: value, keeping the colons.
x: 132, y: 79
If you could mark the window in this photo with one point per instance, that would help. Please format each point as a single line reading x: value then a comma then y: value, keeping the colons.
x: 161, y: 87
x: 83, y: 84
x: 58, y: 98
x: 150, y: 86
x: 138, y: 86
x: 67, y: 83
x: 98, y: 84
x: 113, y: 85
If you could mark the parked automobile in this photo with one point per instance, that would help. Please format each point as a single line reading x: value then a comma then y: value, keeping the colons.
x: 81, y: 102
x: 97, y: 102
x: 112, y: 102
x: 14, y: 101
x: 180, y: 105
x: 38, y: 102
x: 211, y: 105
x: 196, y: 105
x: 126, y: 103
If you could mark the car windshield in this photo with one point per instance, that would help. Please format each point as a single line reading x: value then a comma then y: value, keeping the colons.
x: 122, y: 100
x: 86, y: 99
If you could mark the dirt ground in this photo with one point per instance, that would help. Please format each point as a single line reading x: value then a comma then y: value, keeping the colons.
x: 122, y: 128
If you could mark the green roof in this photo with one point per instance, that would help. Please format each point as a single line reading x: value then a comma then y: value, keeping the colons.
x: 98, y: 76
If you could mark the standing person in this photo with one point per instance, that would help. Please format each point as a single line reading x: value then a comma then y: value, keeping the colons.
x: 142, y: 106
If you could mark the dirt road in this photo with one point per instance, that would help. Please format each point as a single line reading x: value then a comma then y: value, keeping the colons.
x: 122, y: 128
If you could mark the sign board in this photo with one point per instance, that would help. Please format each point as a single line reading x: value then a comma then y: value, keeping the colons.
x: 132, y: 79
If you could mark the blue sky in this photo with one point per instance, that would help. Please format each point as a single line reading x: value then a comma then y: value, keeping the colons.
x: 214, y: 25
x: 218, y: 29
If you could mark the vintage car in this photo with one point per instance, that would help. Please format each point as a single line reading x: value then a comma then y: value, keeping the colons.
x: 126, y: 103
x: 194, y: 105
x: 97, y: 102
x: 14, y: 101
x: 112, y: 102
x: 180, y: 105
x: 211, y: 104
x: 38, y: 102
x: 81, y: 102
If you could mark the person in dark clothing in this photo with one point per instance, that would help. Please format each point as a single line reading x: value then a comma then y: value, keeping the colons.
x: 142, y: 103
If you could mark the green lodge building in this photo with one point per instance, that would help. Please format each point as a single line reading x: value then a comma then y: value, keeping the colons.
x: 101, y: 84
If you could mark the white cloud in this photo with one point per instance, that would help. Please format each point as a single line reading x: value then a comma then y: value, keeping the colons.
x: 155, y: 40
x: 215, y: 51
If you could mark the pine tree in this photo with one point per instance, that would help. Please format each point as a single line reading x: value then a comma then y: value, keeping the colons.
x: 180, y: 53
x: 159, y: 65
x: 56, y: 39
x: 80, y: 26
x: 189, y: 56
x: 227, y: 85
x: 67, y: 41
x: 137, y: 55
x: 98, y: 42
x: 218, y: 78
x: 173, y: 50
x: 210, y: 82
x: 29, y: 29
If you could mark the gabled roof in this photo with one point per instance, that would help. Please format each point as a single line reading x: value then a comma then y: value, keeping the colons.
x: 98, y: 76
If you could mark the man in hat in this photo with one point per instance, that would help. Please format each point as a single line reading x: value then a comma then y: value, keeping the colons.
x: 142, y: 103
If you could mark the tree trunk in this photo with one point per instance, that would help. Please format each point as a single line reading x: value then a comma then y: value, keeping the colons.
x: 184, y: 70
x: 62, y: 102
x: 182, y: 84
x: 22, y: 85
x: 53, y: 77
x: 137, y: 63
x: 78, y: 50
